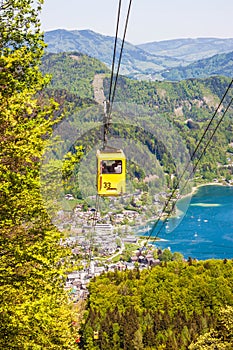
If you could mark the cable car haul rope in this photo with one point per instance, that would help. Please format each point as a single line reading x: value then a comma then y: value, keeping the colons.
x: 111, y: 162
x: 193, y: 157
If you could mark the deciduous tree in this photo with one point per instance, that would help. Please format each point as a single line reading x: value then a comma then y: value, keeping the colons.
x: 35, y: 313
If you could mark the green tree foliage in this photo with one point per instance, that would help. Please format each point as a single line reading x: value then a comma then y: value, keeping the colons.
x: 220, y: 338
x: 35, y: 313
x: 166, y: 255
x: 188, y: 105
x: 166, y: 307
x: 220, y: 64
x: 74, y: 72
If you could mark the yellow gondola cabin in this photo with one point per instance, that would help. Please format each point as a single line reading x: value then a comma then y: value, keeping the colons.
x: 111, y: 169
x: 96, y: 335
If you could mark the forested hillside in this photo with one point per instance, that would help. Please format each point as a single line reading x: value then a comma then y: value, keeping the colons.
x: 73, y: 72
x: 176, y: 305
x: 148, y: 61
x: 188, y: 105
x: 221, y: 64
x: 135, y: 61
x: 167, y: 307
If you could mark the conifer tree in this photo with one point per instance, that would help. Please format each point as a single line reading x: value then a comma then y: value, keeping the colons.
x: 220, y: 338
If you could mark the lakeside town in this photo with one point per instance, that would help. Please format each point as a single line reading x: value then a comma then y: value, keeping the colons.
x: 110, y: 241
x: 113, y: 240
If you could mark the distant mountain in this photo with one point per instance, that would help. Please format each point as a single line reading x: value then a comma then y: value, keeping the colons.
x: 168, y: 59
x: 135, y: 62
x: 215, y: 65
x: 189, y: 50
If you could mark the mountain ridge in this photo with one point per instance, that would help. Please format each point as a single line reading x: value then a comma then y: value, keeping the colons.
x: 220, y: 64
x: 180, y: 48
x: 137, y: 63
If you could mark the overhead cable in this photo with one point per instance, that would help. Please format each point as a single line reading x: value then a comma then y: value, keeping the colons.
x: 171, y: 197
x: 114, y: 50
x: 109, y: 103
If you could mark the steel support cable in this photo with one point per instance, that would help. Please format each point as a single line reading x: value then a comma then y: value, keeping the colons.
x: 106, y: 120
x: 187, y: 166
x: 114, y: 50
x: 97, y: 204
x: 94, y: 221
x: 120, y: 56
x: 198, y: 160
x: 108, y: 104
x: 211, y: 120
x: 193, y: 171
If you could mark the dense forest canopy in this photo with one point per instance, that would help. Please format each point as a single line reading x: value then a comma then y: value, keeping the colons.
x: 167, y: 307
x: 186, y: 106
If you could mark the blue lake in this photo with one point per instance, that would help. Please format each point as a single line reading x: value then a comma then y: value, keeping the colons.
x: 206, y: 229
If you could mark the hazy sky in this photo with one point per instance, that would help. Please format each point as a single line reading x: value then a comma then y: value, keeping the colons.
x: 150, y: 20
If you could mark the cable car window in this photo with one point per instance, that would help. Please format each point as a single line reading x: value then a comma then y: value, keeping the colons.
x: 111, y: 167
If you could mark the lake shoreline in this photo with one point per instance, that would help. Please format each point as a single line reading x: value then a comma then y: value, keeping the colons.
x: 179, y: 213
x: 205, y: 230
x: 195, y: 188
x: 192, y: 193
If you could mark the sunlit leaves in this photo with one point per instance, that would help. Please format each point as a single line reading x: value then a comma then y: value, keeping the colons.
x: 166, y: 307
x: 35, y: 313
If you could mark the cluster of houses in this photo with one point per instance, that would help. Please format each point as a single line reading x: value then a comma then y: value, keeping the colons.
x: 77, y: 281
x: 136, y: 215
x: 76, y: 220
x: 96, y: 237
x: 102, y: 236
